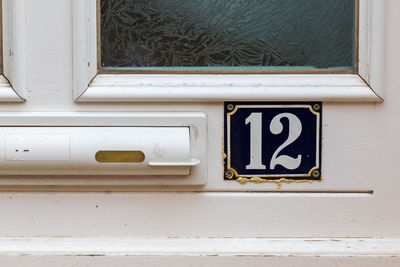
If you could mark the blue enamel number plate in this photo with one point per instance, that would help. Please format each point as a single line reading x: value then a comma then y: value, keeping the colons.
x: 273, y: 141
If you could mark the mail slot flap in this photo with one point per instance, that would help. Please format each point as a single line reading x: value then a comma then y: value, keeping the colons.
x: 96, y: 150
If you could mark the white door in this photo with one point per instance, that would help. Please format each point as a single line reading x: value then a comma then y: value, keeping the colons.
x: 74, y: 214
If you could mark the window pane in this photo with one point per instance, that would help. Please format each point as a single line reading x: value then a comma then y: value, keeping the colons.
x: 228, y: 34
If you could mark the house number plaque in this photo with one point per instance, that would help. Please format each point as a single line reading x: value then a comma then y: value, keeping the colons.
x: 272, y: 141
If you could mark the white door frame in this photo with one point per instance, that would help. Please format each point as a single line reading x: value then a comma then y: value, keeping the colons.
x: 13, y: 81
x: 367, y: 85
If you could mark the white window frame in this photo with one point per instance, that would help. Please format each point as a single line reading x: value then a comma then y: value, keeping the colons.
x: 367, y: 85
x: 13, y: 81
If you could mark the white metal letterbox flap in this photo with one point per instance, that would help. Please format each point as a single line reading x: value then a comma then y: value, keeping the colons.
x: 104, y: 148
x: 97, y: 150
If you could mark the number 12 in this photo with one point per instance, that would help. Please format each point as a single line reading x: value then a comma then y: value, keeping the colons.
x: 276, y: 127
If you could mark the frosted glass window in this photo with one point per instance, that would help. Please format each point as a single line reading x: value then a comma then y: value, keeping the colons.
x: 250, y: 35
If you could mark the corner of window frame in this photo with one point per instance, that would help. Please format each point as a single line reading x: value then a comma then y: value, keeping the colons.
x: 13, y: 80
x: 367, y: 85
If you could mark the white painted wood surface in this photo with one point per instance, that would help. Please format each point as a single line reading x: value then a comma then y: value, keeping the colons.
x: 206, y: 261
x: 198, y: 252
x: 372, y: 44
x: 339, y: 247
x: 192, y: 214
x: 358, y: 197
x: 7, y: 94
x: 14, y: 52
x: 108, y: 87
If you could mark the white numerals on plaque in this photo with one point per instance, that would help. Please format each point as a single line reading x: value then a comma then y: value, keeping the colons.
x: 276, y: 127
x: 295, y: 129
x: 255, y: 120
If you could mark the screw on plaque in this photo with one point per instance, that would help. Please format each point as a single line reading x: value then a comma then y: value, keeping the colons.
x: 317, y: 107
x: 229, y: 174
x: 316, y: 174
x: 230, y: 107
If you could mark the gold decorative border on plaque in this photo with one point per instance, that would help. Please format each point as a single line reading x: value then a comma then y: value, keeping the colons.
x: 278, y: 178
